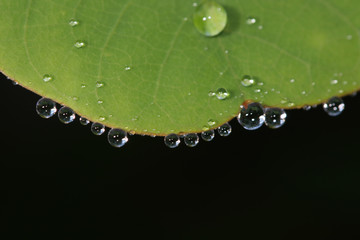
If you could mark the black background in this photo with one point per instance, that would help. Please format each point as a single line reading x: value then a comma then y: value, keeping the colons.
x: 62, y: 182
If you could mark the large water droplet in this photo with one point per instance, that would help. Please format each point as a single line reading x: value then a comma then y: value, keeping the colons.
x: 172, y: 140
x: 210, y: 18
x: 117, y: 137
x: 224, y: 130
x: 97, y: 128
x: 46, y: 108
x: 251, y: 117
x: 73, y: 22
x: 247, y: 81
x: 208, y: 135
x: 275, y: 117
x: 334, y: 106
x: 66, y: 115
x: 48, y: 78
x: 79, y: 44
x: 191, y: 139
x: 83, y: 121
x: 222, y: 94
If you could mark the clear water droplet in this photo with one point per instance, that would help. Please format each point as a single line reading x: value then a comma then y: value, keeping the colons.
x: 46, y: 107
x: 127, y: 68
x: 292, y: 80
x: 97, y: 128
x: 117, y: 137
x: 83, y: 121
x: 251, y: 20
x: 73, y: 22
x: 208, y: 135
x: 99, y: 84
x: 83, y: 85
x: 211, y: 122
x: 210, y: 18
x: 275, y: 117
x: 102, y: 118
x: 100, y: 101
x: 224, y: 130
x: 247, y: 81
x: 172, y: 140
x: 211, y: 94
x: 222, y: 94
x: 252, y: 117
x: 334, y: 106
x: 334, y: 81
x: 48, y: 78
x: 66, y: 115
x: 191, y: 139
x: 79, y: 44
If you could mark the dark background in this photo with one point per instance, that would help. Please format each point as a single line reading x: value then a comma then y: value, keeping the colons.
x: 62, y: 182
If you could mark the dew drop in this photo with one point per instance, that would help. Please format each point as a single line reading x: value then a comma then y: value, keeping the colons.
x: 275, y: 117
x: 334, y: 81
x: 211, y: 122
x: 99, y: 84
x: 224, y: 130
x: 191, y: 139
x: 83, y: 85
x: 172, y: 140
x: 66, y: 115
x: 211, y: 94
x: 102, y: 118
x: 222, y: 94
x: 208, y: 135
x: 97, y: 128
x: 210, y: 18
x: 48, y: 78
x: 79, y: 44
x: 100, y: 101
x: 117, y: 137
x: 252, y: 117
x: 46, y: 107
x: 334, y: 106
x: 73, y: 22
x: 247, y: 81
x: 251, y: 20
x: 83, y: 121
x: 127, y: 68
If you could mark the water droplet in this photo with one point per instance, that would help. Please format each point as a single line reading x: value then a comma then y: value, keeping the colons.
x: 83, y: 121
x: 334, y: 81
x: 292, y: 80
x: 210, y: 18
x: 275, y: 117
x: 252, y: 117
x: 99, y: 84
x: 247, y: 81
x: 79, y: 44
x: 15, y: 83
x: 127, y: 68
x: 75, y: 98
x: 83, y: 85
x: 66, y: 115
x: 73, y: 22
x: 307, y: 107
x: 211, y: 94
x: 334, y: 106
x: 258, y: 90
x: 97, y: 128
x: 102, y: 118
x: 222, y: 94
x: 349, y: 37
x: 172, y: 140
x: 48, y: 78
x: 251, y: 21
x: 224, y: 130
x: 100, y: 101
x: 208, y: 135
x: 191, y: 139
x: 211, y: 122
x: 117, y: 137
x: 46, y: 107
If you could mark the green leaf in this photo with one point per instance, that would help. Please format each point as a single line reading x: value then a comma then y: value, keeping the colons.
x: 143, y: 66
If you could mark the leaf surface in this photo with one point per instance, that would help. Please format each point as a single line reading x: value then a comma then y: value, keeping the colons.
x: 142, y: 66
